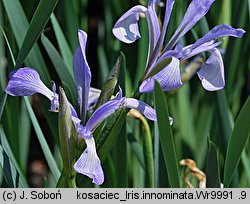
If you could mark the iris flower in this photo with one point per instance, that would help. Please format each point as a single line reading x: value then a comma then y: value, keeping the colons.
x: 165, y: 66
x: 26, y: 81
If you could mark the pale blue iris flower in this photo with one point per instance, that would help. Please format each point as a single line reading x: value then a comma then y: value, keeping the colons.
x: 26, y: 81
x: 165, y: 66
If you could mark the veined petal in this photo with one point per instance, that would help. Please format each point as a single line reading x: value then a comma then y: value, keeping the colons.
x: 169, y: 78
x: 82, y: 74
x: 212, y: 73
x: 103, y: 112
x: 185, y: 53
x: 215, y: 33
x: 25, y: 82
x: 126, y: 28
x: 153, y: 25
x: 168, y: 11
x: 89, y: 163
x: 196, y: 10
x: 142, y: 107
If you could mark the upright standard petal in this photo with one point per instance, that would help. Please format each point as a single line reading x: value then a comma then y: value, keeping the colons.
x: 196, y: 10
x: 212, y: 73
x: 126, y: 28
x: 89, y: 163
x: 168, y: 11
x: 153, y: 25
x: 25, y: 82
x: 82, y: 74
x: 169, y: 78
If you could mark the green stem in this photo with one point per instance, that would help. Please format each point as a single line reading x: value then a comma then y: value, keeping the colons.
x: 148, y: 154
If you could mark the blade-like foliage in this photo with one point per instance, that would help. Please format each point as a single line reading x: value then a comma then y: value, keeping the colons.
x: 61, y: 69
x: 47, y: 153
x: 166, y: 137
x: 237, y: 142
x: 19, y: 25
x: 212, y: 167
x: 2, y: 103
x: 12, y: 172
x: 38, y: 22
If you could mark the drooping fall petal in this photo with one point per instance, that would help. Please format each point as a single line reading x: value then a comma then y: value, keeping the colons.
x: 126, y: 28
x: 89, y: 163
x: 212, y: 73
x: 25, y: 82
x: 169, y: 78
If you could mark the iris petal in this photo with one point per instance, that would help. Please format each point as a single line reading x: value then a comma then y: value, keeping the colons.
x: 215, y: 33
x: 25, y: 82
x: 169, y: 78
x: 82, y: 74
x: 153, y: 25
x: 185, y: 53
x: 168, y: 11
x: 142, y: 107
x: 126, y: 28
x: 196, y: 10
x: 89, y: 163
x: 212, y: 73
x: 103, y: 112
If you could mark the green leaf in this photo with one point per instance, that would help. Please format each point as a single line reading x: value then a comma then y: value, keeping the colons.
x: 113, y: 132
x: 2, y: 104
x: 8, y: 45
x: 166, y: 137
x: 136, y: 147
x: 225, y: 115
x: 246, y: 165
x: 237, y: 142
x: 63, y: 44
x: 47, y: 153
x: 12, y: 172
x: 185, y: 118
x: 103, y: 61
x: 38, y: 22
x: 212, y: 167
x: 19, y: 25
x: 148, y: 154
x: 61, y: 69
x: 120, y: 154
x: 72, y: 10
x: 249, y: 8
x: 24, y: 131
x: 121, y: 159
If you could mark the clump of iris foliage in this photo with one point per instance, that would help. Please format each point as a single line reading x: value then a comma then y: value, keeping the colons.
x: 117, y: 93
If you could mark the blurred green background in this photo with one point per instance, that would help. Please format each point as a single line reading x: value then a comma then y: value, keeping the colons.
x: 203, y: 121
